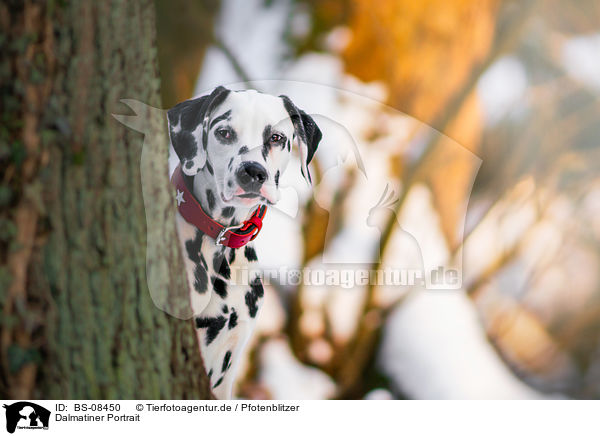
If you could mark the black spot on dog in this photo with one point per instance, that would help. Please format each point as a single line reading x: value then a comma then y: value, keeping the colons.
x: 189, y: 164
x: 231, y: 255
x: 219, y: 286
x: 277, y: 178
x: 210, y: 168
x: 230, y: 162
x: 233, y: 319
x: 221, y: 266
x: 200, y: 279
x: 204, y: 140
x: 213, y: 326
x: 203, y: 261
x: 250, y: 254
x: 266, y: 134
x: 224, y: 116
x: 193, y: 247
x: 184, y: 143
x: 227, y: 212
x: 289, y: 145
x: 229, y: 183
x: 226, y: 362
x: 255, y: 293
x: 225, y: 309
x: 218, y: 382
x: 210, y: 373
x: 243, y: 150
x: 257, y: 287
x: 210, y: 198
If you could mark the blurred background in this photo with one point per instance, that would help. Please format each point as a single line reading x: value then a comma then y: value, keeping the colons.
x: 483, y: 118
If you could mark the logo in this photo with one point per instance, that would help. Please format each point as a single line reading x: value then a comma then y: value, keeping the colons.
x: 26, y: 415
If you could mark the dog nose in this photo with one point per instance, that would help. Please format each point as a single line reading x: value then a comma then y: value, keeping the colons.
x: 251, y: 176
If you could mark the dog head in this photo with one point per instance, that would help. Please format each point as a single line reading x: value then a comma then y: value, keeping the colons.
x: 243, y: 139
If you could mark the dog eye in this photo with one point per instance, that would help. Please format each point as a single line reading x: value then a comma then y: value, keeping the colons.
x: 224, y: 133
x: 275, y: 137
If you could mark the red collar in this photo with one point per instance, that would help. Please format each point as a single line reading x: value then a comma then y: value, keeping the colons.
x: 192, y: 212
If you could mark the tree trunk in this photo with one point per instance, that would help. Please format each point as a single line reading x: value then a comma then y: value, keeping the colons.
x: 78, y: 321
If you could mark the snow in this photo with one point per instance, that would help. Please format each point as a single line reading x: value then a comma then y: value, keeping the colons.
x: 288, y: 379
x: 379, y: 394
x: 434, y: 348
x: 501, y: 88
x: 581, y: 59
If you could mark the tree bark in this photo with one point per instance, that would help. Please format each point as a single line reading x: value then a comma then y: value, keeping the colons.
x: 78, y: 321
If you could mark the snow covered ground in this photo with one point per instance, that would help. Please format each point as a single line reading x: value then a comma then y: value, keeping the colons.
x: 434, y: 348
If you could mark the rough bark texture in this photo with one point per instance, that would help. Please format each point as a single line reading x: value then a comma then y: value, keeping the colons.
x: 77, y: 317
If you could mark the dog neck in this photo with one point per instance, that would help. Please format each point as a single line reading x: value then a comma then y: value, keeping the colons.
x: 205, y: 190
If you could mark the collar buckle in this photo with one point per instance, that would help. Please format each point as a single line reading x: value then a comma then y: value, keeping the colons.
x: 221, y: 236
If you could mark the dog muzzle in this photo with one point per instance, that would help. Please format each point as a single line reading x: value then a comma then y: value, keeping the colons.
x: 192, y: 212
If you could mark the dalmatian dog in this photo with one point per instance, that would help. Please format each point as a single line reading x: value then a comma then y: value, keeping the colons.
x: 232, y: 147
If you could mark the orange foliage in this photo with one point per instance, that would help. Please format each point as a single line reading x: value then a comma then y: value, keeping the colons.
x: 425, y: 52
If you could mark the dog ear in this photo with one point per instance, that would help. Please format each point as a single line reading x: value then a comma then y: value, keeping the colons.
x: 307, y: 132
x: 188, y: 129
